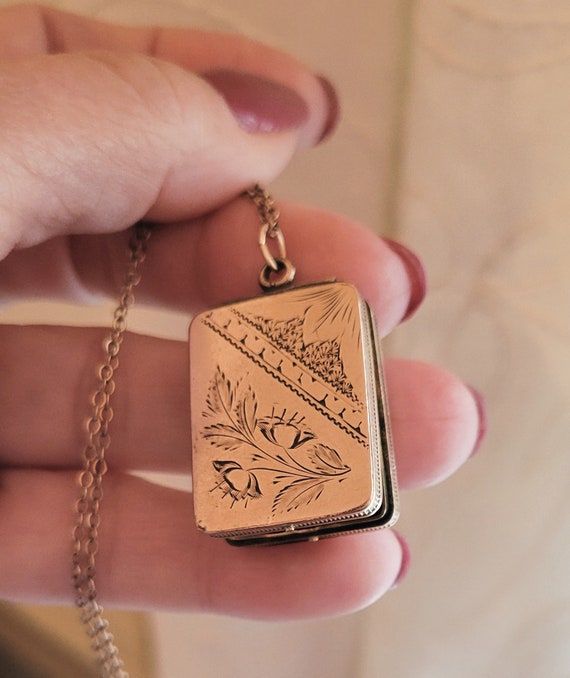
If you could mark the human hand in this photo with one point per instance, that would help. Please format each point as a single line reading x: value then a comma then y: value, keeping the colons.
x: 90, y: 143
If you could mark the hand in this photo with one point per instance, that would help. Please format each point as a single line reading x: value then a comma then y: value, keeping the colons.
x: 102, y: 126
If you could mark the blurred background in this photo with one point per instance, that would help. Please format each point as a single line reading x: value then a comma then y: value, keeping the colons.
x: 455, y: 138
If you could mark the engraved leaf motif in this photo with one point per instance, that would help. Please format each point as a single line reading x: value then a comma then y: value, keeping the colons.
x: 224, y: 436
x: 326, y: 460
x: 236, y: 411
x: 299, y: 493
x: 246, y: 412
x: 221, y: 394
x: 300, y: 466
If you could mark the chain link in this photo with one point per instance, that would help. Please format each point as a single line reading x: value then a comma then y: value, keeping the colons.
x: 278, y: 271
x: 266, y: 208
x: 87, y: 507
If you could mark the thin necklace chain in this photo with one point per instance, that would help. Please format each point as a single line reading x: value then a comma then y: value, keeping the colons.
x: 278, y: 270
x: 266, y: 208
x: 98, y: 440
x: 87, y: 507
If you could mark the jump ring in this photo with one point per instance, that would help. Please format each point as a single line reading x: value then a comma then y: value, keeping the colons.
x: 270, y: 279
x: 276, y: 234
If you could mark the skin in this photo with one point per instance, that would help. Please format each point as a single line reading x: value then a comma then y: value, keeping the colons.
x: 102, y: 126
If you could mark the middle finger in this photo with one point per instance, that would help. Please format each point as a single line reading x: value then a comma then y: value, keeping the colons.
x: 214, y: 259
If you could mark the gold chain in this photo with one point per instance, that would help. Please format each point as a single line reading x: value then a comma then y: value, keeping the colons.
x: 266, y: 208
x: 87, y: 507
x: 278, y: 271
x: 86, y: 532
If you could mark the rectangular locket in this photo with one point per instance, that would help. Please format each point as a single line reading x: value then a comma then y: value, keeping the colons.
x: 290, y: 427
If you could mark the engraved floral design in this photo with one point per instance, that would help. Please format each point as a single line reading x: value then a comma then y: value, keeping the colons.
x: 286, y: 434
x: 237, y: 482
x: 279, y: 445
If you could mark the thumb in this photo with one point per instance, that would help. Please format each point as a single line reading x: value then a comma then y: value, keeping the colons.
x: 93, y: 142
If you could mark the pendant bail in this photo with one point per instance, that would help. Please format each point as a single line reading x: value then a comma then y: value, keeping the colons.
x: 276, y: 233
x: 283, y: 275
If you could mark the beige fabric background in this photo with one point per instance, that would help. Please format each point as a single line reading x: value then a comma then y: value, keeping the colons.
x: 456, y: 137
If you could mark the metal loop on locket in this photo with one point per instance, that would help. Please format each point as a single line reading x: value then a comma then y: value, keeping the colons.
x: 278, y: 270
x: 270, y: 279
x: 276, y: 234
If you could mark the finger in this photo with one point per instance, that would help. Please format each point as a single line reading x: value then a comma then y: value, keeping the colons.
x: 48, y: 30
x: 151, y: 555
x: 54, y: 373
x: 216, y: 258
x: 95, y: 142
x: 434, y: 417
x: 437, y: 423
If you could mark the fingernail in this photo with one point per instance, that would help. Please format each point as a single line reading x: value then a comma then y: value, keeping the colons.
x: 406, y: 559
x: 258, y: 104
x: 333, y: 108
x: 416, y: 274
x: 479, y: 399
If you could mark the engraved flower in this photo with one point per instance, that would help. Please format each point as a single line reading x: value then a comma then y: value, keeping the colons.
x: 239, y: 483
x: 286, y: 433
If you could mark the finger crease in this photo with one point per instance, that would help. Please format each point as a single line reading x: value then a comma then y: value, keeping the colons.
x: 153, y: 40
x: 51, y: 40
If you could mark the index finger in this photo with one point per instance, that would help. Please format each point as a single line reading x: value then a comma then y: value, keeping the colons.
x: 48, y: 30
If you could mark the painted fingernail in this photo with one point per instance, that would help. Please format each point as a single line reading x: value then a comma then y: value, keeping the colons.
x: 406, y: 559
x: 416, y: 274
x: 258, y: 104
x: 333, y: 108
x: 482, y: 412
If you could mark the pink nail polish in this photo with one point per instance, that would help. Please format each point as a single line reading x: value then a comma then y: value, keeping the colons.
x: 416, y: 273
x: 258, y: 104
x: 406, y: 559
x: 333, y: 108
x: 482, y: 412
